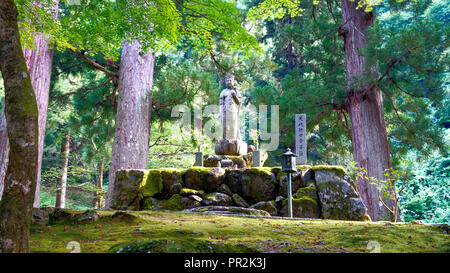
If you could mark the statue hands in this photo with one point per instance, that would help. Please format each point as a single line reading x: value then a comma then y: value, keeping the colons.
x: 237, y: 97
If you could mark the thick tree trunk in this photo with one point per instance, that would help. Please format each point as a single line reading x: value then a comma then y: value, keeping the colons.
x: 131, y: 137
x: 61, y: 194
x: 369, y: 137
x: 22, y: 124
x: 39, y: 63
x: 4, y: 150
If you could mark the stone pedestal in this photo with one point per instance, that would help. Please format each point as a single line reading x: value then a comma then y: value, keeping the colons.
x: 230, y: 147
x: 242, y: 161
x: 257, y: 159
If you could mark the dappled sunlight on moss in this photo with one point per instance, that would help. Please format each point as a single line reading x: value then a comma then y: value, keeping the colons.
x: 261, y: 234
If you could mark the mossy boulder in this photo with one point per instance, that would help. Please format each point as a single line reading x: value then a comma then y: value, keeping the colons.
x: 150, y: 203
x: 254, y: 185
x: 229, y: 210
x: 336, y: 170
x: 152, y: 184
x: 171, y: 182
x: 338, y: 198
x: 275, y: 170
x: 123, y: 216
x: 239, y: 201
x: 127, y: 187
x: 173, y: 203
x: 301, y: 178
x: 41, y: 216
x: 217, y: 199
x: 191, y: 201
x: 179, y: 246
x: 223, y: 188
x: 310, y: 192
x: 89, y: 216
x: 233, y: 180
x: 269, y: 206
x: 187, y: 192
x: 305, y: 204
x: 59, y: 215
x: 202, y: 178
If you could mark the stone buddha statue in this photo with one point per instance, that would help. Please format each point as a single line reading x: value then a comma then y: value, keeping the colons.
x: 230, y: 101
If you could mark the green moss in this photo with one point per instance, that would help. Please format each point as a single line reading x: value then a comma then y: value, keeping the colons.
x: 64, y: 216
x: 170, y: 170
x: 150, y: 203
x: 306, y: 194
x: 167, y: 172
x: 275, y: 170
x: 179, y: 246
x: 187, y: 192
x: 264, y: 235
x: 304, y: 199
x: 310, y: 192
x: 304, y: 167
x: 259, y: 170
x: 201, y: 170
x: 174, y: 203
x: 338, y: 170
x: 366, y: 218
x: 151, y: 183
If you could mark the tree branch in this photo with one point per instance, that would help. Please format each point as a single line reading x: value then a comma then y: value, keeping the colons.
x: 84, y: 90
x: 94, y: 64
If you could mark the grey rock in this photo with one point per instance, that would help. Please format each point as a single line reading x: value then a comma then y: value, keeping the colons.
x: 126, y: 188
x: 89, y: 216
x: 268, y: 206
x: 239, y: 201
x: 41, y: 216
x: 229, y: 210
x: 338, y: 198
x: 225, y: 189
x: 254, y: 185
x: 191, y: 201
x: 217, y: 199
x: 205, y: 179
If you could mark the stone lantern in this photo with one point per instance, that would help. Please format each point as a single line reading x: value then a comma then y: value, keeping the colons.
x: 288, y: 166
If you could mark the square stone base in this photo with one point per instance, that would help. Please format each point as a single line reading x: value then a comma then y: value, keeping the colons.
x: 230, y: 147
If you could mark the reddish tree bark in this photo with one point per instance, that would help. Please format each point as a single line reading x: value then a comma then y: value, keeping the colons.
x: 132, y: 131
x: 21, y: 114
x: 4, y: 150
x: 61, y: 193
x: 39, y: 63
x: 365, y: 108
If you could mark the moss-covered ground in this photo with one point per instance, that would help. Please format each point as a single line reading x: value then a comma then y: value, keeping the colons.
x: 237, y: 234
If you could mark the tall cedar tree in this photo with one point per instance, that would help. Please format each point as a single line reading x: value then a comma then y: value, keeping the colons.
x: 131, y: 136
x: 21, y: 113
x: 39, y: 63
x: 365, y: 107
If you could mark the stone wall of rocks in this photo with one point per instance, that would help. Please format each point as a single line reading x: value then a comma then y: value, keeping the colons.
x: 325, y: 192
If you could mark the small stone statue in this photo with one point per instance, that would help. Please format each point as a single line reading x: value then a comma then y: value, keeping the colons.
x: 230, y: 101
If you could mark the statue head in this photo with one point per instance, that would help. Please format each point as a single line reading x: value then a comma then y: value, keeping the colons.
x: 229, y: 80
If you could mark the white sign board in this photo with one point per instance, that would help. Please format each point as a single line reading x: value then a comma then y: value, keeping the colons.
x: 300, y: 138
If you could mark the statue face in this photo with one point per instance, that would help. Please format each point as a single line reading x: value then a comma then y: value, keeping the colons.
x: 230, y: 82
